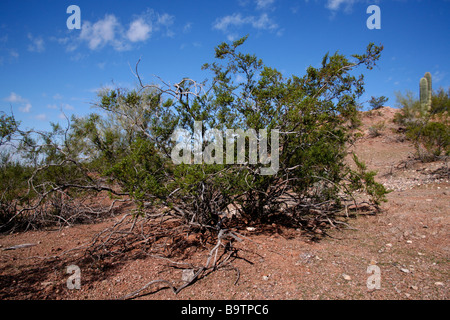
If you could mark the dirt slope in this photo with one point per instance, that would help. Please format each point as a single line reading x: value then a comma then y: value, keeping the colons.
x: 408, y: 242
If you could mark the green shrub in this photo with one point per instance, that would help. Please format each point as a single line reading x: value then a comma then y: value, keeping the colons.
x: 130, y: 144
x: 429, y: 131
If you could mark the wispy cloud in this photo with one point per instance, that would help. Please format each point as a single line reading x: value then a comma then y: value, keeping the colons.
x: 235, y: 21
x: 346, y: 5
x: 15, y: 98
x: 37, y: 44
x: 24, y: 105
x: 187, y: 27
x: 264, y: 4
x: 26, y: 108
x: 438, y: 76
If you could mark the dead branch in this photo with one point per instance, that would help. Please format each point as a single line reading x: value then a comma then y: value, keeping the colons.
x: 210, y: 265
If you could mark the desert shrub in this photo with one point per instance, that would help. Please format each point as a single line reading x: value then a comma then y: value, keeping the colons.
x: 314, y: 109
x: 375, y: 130
x: 129, y: 144
x: 431, y: 139
x: 377, y: 103
x: 440, y: 102
x: 429, y: 131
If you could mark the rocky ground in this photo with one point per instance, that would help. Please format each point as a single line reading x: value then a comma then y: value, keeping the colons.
x: 406, y: 245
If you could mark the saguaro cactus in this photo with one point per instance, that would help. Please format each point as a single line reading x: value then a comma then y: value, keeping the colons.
x: 428, y: 77
x: 425, y: 92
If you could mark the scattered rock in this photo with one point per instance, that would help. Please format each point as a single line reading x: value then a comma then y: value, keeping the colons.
x: 265, y: 278
x: 440, y: 284
x: 346, y: 277
x: 187, y: 275
x: 409, y: 241
x: 414, y: 287
x: 251, y: 229
x: 404, y: 270
x: 389, y: 245
x: 305, y: 257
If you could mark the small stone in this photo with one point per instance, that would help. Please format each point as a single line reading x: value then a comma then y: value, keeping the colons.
x: 389, y: 245
x: 187, y: 275
x: 318, y: 231
x: 251, y: 229
x: 373, y: 262
x: 404, y: 270
x: 409, y: 241
x: 440, y: 284
x: 265, y: 278
x: 346, y: 277
x: 415, y: 287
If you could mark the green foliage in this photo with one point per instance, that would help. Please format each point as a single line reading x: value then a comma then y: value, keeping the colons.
x: 429, y: 129
x: 140, y: 172
x: 440, y: 102
x: 377, y: 103
x: 8, y: 127
x: 433, y: 137
x: 361, y: 179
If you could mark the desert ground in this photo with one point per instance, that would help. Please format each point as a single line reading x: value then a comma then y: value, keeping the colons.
x: 408, y: 242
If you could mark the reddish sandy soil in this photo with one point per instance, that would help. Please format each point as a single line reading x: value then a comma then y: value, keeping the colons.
x: 408, y: 241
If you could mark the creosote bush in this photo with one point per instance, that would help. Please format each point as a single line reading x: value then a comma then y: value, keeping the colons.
x: 126, y: 148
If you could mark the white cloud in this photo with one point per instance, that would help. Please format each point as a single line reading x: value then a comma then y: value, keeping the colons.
x: 263, y: 22
x: 263, y: 4
x: 13, y: 53
x: 15, y: 98
x: 109, y: 31
x: 347, y: 5
x: 37, y: 44
x: 166, y: 21
x: 139, y: 30
x: 26, y: 108
x: 25, y: 105
x: 101, y: 33
x: 187, y: 27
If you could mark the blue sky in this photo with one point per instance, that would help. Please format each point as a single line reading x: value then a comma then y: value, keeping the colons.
x: 47, y: 69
